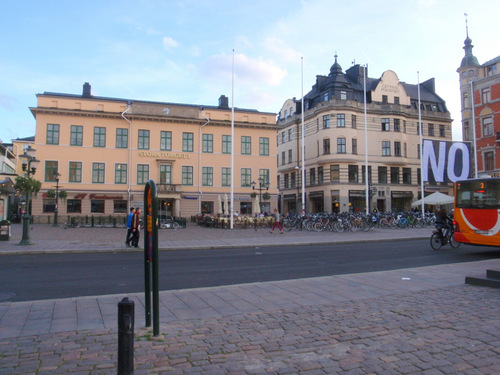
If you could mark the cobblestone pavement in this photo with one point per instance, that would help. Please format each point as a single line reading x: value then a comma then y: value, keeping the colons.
x: 411, y: 321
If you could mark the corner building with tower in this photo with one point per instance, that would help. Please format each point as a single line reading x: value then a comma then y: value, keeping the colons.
x: 334, y: 142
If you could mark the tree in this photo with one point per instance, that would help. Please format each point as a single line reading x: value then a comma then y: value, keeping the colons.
x: 27, y: 184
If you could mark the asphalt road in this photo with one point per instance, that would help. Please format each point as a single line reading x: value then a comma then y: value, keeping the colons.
x: 48, y: 276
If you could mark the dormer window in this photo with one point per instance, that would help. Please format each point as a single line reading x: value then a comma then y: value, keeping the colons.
x: 326, y: 97
x: 343, y: 95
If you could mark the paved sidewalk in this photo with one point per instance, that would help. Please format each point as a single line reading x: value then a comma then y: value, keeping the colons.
x: 410, y: 321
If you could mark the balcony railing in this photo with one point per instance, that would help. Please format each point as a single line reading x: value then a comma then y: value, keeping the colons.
x: 168, y: 188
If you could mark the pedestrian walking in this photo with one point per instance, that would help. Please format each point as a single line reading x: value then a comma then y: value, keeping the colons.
x: 277, y: 219
x: 136, y: 227
x: 129, y: 227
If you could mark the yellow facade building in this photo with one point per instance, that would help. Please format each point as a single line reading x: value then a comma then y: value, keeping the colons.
x: 106, y: 149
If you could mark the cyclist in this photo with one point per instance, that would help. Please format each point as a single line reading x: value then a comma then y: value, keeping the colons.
x: 443, y: 221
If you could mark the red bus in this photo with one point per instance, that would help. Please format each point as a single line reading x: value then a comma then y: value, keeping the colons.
x: 477, y: 211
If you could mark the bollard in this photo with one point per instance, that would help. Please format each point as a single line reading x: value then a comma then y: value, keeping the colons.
x: 125, y: 337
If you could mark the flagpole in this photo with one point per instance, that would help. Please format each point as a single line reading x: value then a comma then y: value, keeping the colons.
x: 367, y: 190
x: 232, y: 148
x: 421, y: 145
x: 473, y: 126
x: 302, y: 144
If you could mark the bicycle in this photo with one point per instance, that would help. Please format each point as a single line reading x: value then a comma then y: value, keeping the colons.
x: 439, y: 240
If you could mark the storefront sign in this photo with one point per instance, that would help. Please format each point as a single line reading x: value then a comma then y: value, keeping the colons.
x: 95, y: 196
x: 165, y: 154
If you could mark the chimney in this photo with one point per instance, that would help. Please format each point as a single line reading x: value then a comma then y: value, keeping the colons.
x: 86, y: 90
x: 223, y: 101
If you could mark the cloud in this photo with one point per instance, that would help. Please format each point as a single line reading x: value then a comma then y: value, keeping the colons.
x: 169, y: 43
x: 247, y: 69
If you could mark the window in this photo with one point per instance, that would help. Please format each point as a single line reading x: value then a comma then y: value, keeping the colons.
x: 166, y: 140
x: 441, y: 130
x: 187, y: 175
x: 353, y: 121
x: 489, y: 161
x: 119, y: 206
x: 291, y: 111
x: 486, y: 95
x: 467, y: 131
x: 384, y: 99
x: 226, y: 176
x: 187, y: 145
x: 353, y: 173
x: 343, y: 95
x: 363, y: 175
x: 397, y: 148
x: 99, y: 136
x: 326, y: 97
x: 286, y: 113
x: 290, y: 158
x: 290, y: 134
x: 264, y: 175
x: 382, y: 175
x: 207, y: 176
x: 354, y: 146
x: 283, y: 158
x: 75, y: 171
x: 97, y: 206
x: 487, y: 126
x: 208, y: 143
x: 74, y: 206
x: 293, y: 179
x: 335, y: 173
x: 51, y: 169
x: 397, y: 125
x: 340, y: 120
x: 52, y: 134
x: 246, y: 145
x: 287, y: 181
x: 326, y: 122
x: 312, y: 176
x: 226, y: 144
x: 394, y: 175
x: 121, y: 170
x: 283, y: 137
x: 121, y: 138
x: 142, y: 174
x: 76, y: 137
x: 341, y: 148
x: 406, y: 175
x: 263, y: 146
x: 418, y: 151
x: 396, y: 100
x: 143, y: 141
x: 431, y: 129
x: 386, y: 125
x: 246, y: 177
x: 386, y: 148
x: 165, y: 174
x: 326, y: 146
x: 320, y: 175
x: 465, y: 99
x: 98, y: 173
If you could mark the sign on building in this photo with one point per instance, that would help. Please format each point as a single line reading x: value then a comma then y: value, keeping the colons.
x: 445, y: 161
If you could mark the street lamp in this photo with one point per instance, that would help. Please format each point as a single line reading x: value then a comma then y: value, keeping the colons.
x: 262, y: 186
x: 29, y: 164
x: 56, y: 211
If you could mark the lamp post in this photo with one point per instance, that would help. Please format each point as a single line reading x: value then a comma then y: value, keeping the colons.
x: 262, y: 186
x: 56, y: 211
x: 29, y: 164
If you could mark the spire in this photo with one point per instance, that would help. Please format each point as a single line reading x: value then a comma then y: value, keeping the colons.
x: 469, y: 59
x: 336, y: 68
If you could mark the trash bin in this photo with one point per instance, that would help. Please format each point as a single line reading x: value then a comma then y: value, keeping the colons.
x: 4, y: 230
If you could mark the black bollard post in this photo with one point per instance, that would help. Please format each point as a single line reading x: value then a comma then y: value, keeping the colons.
x: 126, y: 337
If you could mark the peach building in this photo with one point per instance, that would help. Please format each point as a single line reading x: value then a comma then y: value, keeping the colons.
x: 106, y: 149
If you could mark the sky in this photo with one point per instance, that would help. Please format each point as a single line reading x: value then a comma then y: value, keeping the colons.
x: 181, y: 51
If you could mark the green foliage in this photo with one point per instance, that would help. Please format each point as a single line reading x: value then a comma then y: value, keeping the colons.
x: 266, y: 196
x: 27, y: 184
x: 253, y: 194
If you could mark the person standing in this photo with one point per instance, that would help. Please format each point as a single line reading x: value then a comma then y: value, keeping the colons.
x: 136, y: 228
x: 129, y: 227
x: 277, y: 219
